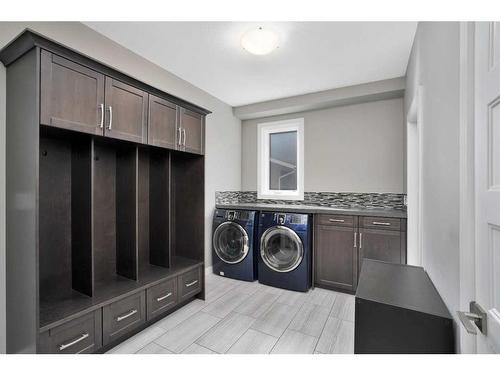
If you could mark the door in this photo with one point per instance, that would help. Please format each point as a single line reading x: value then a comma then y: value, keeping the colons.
x: 377, y: 244
x: 487, y: 180
x: 71, y: 95
x: 281, y: 249
x: 192, y: 130
x: 230, y: 242
x: 126, y: 114
x: 335, y: 257
x: 162, y: 123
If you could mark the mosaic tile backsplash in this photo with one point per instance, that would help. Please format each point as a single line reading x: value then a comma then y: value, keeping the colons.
x: 325, y: 199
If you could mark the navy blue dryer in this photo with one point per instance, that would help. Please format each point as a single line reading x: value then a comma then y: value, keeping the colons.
x: 285, y: 250
x: 233, y: 238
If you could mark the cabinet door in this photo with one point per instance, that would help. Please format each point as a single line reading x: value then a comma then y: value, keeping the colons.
x: 71, y: 95
x: 193, y: 131
x: 384, y: 245
x: 335, y: 257
x: 162, y: 123
x: 126, y: 114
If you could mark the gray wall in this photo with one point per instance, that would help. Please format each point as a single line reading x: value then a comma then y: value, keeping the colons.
x: 354, y: 148
x: 434, y: 64
x: 223, y: 133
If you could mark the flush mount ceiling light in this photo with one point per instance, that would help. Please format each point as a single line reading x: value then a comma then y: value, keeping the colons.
x: 260, y: 41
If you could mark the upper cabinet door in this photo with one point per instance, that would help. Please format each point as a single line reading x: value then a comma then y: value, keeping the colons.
x: 192, y: 131
x: 126, y: 112
x: 162, y: 122
x: 71, y: 95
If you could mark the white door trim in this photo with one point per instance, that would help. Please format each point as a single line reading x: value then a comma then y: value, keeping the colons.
x: 467, y: 342
x: 414, y: 179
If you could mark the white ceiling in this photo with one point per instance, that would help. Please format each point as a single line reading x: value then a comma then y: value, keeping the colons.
x: 313, y: 56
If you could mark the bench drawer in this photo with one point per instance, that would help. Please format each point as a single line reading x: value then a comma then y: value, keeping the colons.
x: 190, y: 284
x: 380, y: 223
x: 80, y: 335
x: 337, y: 220
x: 161, y: 297
x: 123, y: 316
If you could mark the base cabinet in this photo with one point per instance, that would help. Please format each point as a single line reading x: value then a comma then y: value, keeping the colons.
x: 384, y: 245
x: 336, y: 257
x: 382, y: 239
x: 106, y: 326
x: 341, y: 243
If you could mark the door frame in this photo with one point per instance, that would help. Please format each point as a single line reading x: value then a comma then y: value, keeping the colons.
x: 466, y: 343
x: 414, y: 185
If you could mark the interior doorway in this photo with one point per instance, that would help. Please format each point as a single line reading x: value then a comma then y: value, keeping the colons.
x: 414, y: 180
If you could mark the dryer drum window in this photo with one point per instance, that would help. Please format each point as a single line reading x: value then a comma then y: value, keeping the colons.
x: 281, y: 249
x: 230, y: 242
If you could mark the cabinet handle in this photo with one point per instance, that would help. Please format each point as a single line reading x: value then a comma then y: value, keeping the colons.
x: 337, y: 220
x: 184, y: 132
x: 179, y: 136
x: 380, y: 223
x: 75, y: 341
x: 159, y: 299
x: 101, y: 110
x: 355, y: 238
x: 191, y: 283
x: 110, y: 117
x: 360, y: 240
x: 128, y: 315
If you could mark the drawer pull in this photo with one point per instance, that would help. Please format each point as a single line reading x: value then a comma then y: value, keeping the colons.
x: 128, y: 315
x: 336, y: 220
x: 159, y: 299
x: 75, y: 341
x: 191, y: 283
x: 381, y: 223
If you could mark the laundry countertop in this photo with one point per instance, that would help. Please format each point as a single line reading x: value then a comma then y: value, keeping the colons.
x: 317, y: 209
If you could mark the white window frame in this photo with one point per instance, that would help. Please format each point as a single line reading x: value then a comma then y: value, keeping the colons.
x: 264, y: 130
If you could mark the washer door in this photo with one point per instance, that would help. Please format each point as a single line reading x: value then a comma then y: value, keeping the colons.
x: 281, y: 249
x: 230, y: 242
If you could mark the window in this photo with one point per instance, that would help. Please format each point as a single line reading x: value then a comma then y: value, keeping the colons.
x: 280, y: 151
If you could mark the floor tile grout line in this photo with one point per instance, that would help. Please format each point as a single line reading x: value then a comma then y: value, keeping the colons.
x: 291, y: 320
x: 203, y: 346
x: 326, y: 321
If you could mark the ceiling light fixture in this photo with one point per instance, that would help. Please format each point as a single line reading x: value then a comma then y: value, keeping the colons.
x: 259, y: 41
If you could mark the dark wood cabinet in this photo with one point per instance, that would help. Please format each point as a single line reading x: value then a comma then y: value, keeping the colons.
x: 192, y: 126
x: 125, y: 115
x: 336, y: 257
x: 382, y: 239
x: 163, y: 129
x: 341, y: 242
x: 71, y: 95
x: 98, y: 230
x: 379, y: 244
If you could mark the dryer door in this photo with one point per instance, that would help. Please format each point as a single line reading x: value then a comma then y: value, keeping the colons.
x: 230, y: 242
x: 281, y: 249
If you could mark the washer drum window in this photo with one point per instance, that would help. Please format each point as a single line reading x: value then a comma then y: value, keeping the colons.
x: 281, y: 249
x: 230, y: 242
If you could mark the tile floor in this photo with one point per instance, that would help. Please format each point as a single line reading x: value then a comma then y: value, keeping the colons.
x: 241, y: 317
